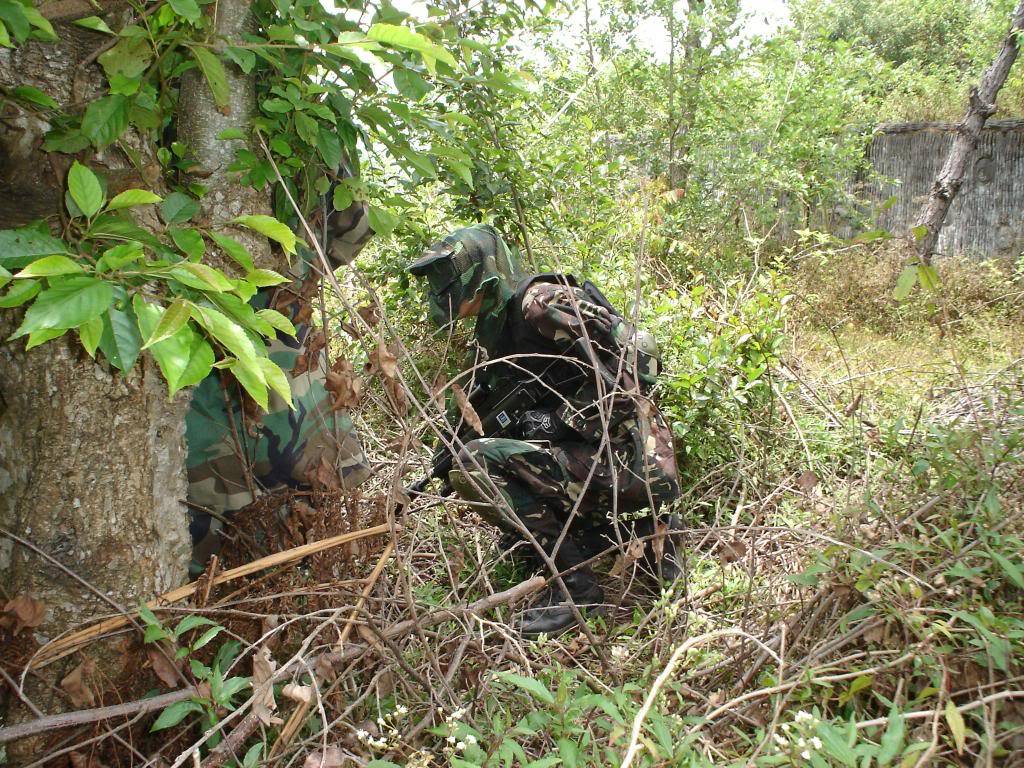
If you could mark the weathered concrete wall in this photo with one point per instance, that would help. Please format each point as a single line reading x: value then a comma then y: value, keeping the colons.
x: 987, y: 216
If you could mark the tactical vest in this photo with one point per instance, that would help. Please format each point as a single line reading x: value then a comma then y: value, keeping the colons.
x: 533, y: 355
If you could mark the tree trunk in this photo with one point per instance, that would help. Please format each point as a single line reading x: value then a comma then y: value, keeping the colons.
x: 91, y: 462
x: 982, y: 106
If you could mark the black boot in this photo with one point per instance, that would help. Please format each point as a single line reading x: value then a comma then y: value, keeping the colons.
x: 552, y: 614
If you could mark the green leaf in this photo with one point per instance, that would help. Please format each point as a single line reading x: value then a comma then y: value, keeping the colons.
x: 95, y: 23
x: 382, y: 221
x: 68, y: 304
x: 835, y: 746
x: 213, y: 71
x: 231, y: 134
x: 229, y: 334
x: 85, y: 189
x: 191, y: 622
x: 20, y: 247
x: 19, y: 293
x: 37, y: 20
x: 175, y: 713
x: 891, y: 744
x: 532, y: 686
x: 89, y: 334
x: 49, y: 266
x: 243, y: 58
x: 928, y: 277
x: 569, y: 751
x: 1009, y: 568
x: 270, y: 227
x: 187, y: 9
x: 177, y: 208
x: 206, y: 637
x: 252, y: 756
x: 277, y: 320
x: 263, y: 278
x: 235, y: 250
x: 185, y: 358
x: 329, y: 146
x: 905, y: 282
x: 119, y: 256
x: 250, y: 376
x: 120, y: 340
x: 5, y: 39
x: 919, y: 232
x: 410, y: 84
x: 342, y: 197
x: 13, y: 14
x: 955, y: 721
x: 41, y: 337
x: 171, y: 321
x: 35, y: 96
x: 276, y: 379
x: 126, y: 63
x: 5, y: 276
x: 105, y: 120
x: 132, y: 197
x: 201, y: 276
x: 544, y: 762
x: 68, y: 142
x: 406, y: 39
x: 189, y: 241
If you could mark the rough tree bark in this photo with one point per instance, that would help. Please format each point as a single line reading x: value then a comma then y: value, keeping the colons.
x: 982, y: 106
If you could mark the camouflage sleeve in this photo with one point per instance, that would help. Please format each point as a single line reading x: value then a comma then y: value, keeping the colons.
x: 564, y: 314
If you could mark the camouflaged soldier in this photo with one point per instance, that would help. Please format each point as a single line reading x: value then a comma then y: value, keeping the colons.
x: 592, y: 450
x: 233, y: 455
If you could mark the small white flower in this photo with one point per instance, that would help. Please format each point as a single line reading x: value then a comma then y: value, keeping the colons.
x: 816, y: 742
x: 362, y: 735
x: 619, y: 652
x: 402, y: 709
x: 785, y: 727
x: 380, y: 721
x: 451, y: 739
x: 460, y: 746
x: 801, y: 743
x: 803, y: 715
x: 471, y: 739
x: 780, y: 740
x: 805, y: 755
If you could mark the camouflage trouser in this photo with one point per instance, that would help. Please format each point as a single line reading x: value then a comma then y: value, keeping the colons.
x: 536, y: 482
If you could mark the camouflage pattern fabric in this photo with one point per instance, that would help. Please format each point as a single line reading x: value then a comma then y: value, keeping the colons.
x: 234, y: 450
x: 542, y: 482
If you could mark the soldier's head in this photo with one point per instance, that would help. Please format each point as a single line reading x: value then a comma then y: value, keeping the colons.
x: 471, y: 273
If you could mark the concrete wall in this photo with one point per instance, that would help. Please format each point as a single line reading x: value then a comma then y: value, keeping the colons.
x: 987, y: 216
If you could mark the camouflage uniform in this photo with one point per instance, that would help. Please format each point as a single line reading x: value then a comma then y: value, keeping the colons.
x: 229, y: 441
x: 549, y: 329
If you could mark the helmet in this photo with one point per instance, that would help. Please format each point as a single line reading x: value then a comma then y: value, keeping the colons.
x: 470, y: 272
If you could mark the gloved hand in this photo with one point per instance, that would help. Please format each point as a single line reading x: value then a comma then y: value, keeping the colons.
x: 541, y: 425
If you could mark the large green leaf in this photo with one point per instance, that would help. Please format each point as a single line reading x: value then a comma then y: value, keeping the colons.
x: 175, y: 713
x: 228, y: 333
x: 20, y: 247
x: 534, y: 687
x: 276, y: 379
x: 185, y: 358
x: 410, y: 84
x: 250, y: 376
x: 235, y: 250
x: 120, y: 340
x: 187, y: 9
x: 106, y: 119
x: 177, y: 208
x: 171, y: 321
x: 85, y: 189
x: 270, y: 227
x: 132, y: 197
x: 213, y: 71
x: 407, y: 39
x: 19, y: 293
x: 68, y: 304
x: 50, y: 266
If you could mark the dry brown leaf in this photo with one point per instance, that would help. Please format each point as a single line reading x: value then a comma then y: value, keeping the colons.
x: 269, y: 623
x: 26, y: 611
x: 731, y: 551
x: 300, y: 693
x: 852, y: 407
x: 807, y: 481
x: 467, y: 410
x: 344, y: 385
x: 160, y: 658
x: 369, y: 314
x: 324, y: 669
x: 332, y: 757
x: 383, y: 359
x: 634, y: 551
x: 263, y: 705
x: 76, y: 685
x: 398, y: 397
x: 437, y: 387
x: 323, y: 475
x: 658, y: 542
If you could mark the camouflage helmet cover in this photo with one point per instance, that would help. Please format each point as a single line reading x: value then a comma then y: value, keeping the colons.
x: 472, y: 271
